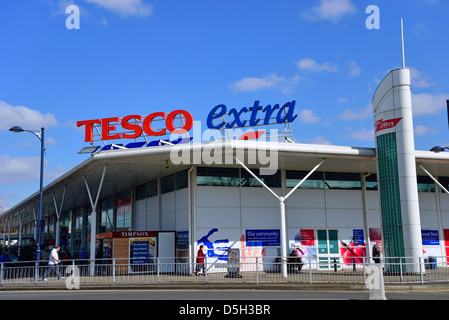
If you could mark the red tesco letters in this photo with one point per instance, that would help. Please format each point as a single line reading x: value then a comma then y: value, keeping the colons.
x: 108, y: 125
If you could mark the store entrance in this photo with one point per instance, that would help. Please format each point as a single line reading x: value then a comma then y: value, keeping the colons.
x: 328, y: 249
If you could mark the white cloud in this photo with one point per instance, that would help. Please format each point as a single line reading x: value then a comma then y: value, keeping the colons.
x: 307, y: 115
x: 319, y: 140
x: 418, y: 80
x: 24, y: 117
x: 354, y: 68
x: 363, y: 134
x: 13, y: 170
x: 330, y: 10
x: 357, y: 114
x: 21, y: 169
x: 4, y: 204
x: 425, y: 103
x: 422, y: 130
x: 125, y: 8
x: 309, y: 64
x: 270, y: 81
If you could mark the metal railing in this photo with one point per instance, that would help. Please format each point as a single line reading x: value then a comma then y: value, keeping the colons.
x: 258, y: 270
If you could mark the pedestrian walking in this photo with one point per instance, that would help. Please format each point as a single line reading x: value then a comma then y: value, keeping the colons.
x: 53, y: 264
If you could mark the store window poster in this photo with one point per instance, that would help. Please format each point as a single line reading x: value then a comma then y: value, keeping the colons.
x: 305, y: 242
x: 352, y: 246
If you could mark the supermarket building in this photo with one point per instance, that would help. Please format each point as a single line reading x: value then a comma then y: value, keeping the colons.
x: 163, y: 198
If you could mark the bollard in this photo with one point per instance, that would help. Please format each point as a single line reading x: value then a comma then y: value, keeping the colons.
x: 335, y: 265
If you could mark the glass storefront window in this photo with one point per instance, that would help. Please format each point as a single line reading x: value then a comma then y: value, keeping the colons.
x: 272, y: 181
x: 106, y: 223
x: 66, y: 222
x: 339, y: 180
x: 211, y: 177
x: 181, y: 179
x: 314, y: 181
x: 168, y: 184
x: 444, y: 182
x: 146, y: 190
x: 425, y: 184
x: 371, y: 182
x: 78, y: 228
x: 123, y: 211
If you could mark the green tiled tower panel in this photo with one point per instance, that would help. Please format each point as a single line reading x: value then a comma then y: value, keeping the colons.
x: 390, y: 196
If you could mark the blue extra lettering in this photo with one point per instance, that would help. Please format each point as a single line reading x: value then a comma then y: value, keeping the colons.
x: 288, y: 117
x: 286, y: 113
x: 214, y: 115
x: 237, y: 115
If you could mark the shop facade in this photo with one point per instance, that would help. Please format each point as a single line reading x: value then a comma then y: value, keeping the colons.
x: 214, y: 192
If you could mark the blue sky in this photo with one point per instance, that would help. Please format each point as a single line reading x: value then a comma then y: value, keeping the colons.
x: 144, y: 56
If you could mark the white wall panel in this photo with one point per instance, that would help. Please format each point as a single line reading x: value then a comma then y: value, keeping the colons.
x: 152, y: 206
x: 259, y: 197
x: 261, y: 218
x: 168, y: 202
x: 427, y: 201
x: 306, y: 218
x: 140, y: 216
x: 140, y: 224
x: 344, y: 199
x: 340, y: 218
x: 373, y: 218
x: 168, y: 220
x: 218, y: 196
x: 141, y: 209
x: 429, y: 219
x: 305, y: 198
x: 182, y: 219
x: 153, y: 223
x: 213, y: 217
x: 182, y: 199
x: 372, y: 199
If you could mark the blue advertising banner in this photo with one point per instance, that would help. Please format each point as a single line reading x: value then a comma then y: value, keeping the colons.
x: 141, y: 252
x: 263, y: 237
x: 430, y: 237
x: 358, y: 237
x: 183, y: 239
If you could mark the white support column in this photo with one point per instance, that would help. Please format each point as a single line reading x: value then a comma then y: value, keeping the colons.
x: 93, y: 220
x: 282, y: 212
x: 58, y: 216
x: 365, y: 217
x: 9, y: 221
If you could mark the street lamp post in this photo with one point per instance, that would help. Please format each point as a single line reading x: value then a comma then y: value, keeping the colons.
x: 40, y: 136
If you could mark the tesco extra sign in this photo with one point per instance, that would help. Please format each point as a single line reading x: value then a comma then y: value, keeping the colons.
x: 134, y: 130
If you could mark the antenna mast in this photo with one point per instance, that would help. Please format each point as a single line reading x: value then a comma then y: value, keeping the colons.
x: 402, y: 40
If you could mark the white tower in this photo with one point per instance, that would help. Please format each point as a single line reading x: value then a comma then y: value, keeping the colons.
x: 395, y: 149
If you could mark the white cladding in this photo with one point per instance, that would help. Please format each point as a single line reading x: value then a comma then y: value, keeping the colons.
x: 232, y: 210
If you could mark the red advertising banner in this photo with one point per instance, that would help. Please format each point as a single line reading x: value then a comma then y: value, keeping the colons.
x: 386, y: 124
x: 307, y: 237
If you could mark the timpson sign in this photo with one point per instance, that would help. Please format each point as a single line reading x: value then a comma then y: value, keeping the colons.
x: 126, y: 234
x: 220, y: 117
